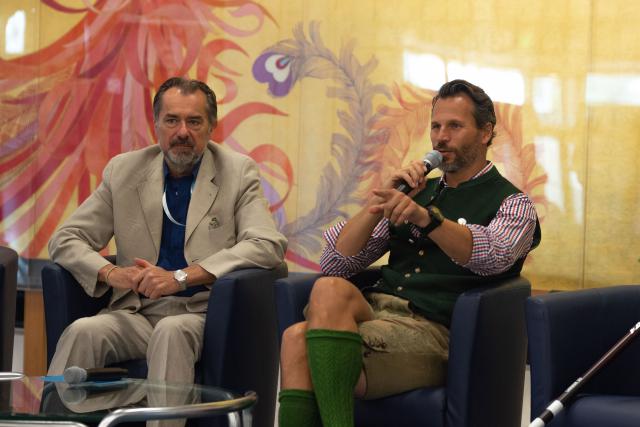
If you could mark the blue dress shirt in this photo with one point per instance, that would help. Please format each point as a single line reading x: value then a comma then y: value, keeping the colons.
x: 178, y: 195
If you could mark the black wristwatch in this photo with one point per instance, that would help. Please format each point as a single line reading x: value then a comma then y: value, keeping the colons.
x: 436, y: 219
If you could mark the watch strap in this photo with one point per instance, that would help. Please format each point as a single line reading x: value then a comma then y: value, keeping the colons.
x: 436, y: 219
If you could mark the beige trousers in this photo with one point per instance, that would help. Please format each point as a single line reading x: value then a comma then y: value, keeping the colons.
x: 163, y: 331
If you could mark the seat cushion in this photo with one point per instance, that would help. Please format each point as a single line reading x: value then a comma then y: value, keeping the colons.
x: 416, y: 408
x: 604, y: 410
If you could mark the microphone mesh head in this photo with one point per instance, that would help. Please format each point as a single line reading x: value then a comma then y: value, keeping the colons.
x: 433, y: 158
x: 74, y: 374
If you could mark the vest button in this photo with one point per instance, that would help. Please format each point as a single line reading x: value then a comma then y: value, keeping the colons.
x: 417, y: 270
x: 411, y: 241
x: 399, y: 288
x: 407, y: 275
x: 421, y: 252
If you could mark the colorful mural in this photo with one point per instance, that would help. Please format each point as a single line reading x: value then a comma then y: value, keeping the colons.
x: 106, y: 66
x: 327, y: 98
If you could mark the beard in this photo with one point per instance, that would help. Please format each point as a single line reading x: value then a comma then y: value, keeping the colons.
x: 182, y: 162
x: 464, y: 156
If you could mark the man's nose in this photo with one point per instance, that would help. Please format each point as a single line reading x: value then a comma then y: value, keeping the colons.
x: 441, y: 135
x: 182, y: 129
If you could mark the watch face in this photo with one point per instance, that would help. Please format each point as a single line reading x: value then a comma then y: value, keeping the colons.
x: 180, y: 275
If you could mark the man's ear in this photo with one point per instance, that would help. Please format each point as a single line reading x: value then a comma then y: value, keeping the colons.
x: 487, y: 132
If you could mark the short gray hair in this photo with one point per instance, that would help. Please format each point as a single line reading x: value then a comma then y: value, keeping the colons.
x: 187, y: 86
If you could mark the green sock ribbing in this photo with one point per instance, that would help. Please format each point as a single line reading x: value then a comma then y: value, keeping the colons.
x: 298, y: 408
x: 335, y: 362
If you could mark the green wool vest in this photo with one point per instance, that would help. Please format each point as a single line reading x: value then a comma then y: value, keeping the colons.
x: 420, y: 271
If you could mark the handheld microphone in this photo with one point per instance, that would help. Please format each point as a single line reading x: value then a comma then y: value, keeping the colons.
x: 431, y: 160
x: 74, y: 374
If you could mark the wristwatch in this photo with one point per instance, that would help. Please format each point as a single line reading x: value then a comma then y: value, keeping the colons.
x: 436, y: 219
x: 181, y: 278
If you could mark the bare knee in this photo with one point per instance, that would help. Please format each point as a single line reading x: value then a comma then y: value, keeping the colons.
x: 293, y: 358
x: 334, y: 301
x: 294, y: 342
x: 333, y: 292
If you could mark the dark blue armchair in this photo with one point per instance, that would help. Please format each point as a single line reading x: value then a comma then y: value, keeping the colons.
x: 8, y: 286
x: 240, y: 350
x: 568, y: 333
x: 485, y: 376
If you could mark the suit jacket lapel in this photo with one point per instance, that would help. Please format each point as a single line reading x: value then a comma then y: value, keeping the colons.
x: 204, y: 193
x: 150, y: 194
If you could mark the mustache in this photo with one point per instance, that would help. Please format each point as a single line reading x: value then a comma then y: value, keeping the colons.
x: 182, y: 142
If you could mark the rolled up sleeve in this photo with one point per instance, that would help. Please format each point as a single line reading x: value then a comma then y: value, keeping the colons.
x: 333, y: 263
x: 507, y: 238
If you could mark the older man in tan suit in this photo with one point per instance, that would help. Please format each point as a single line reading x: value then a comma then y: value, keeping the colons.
x: 183, y: 212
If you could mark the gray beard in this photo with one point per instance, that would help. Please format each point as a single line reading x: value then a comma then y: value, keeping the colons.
x: 454, y: 167
x: 463, y: 158
x: 182, y: 164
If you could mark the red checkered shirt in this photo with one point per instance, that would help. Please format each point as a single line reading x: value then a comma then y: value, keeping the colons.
x: 496, y: 247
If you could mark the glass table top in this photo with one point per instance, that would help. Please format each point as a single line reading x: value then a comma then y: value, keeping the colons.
x: 23, y: 397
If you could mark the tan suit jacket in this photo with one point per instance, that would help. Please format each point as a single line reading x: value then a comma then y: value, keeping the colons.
x: 228, y: 227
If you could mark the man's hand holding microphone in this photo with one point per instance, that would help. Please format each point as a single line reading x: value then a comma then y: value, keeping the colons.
x: 395, y: 200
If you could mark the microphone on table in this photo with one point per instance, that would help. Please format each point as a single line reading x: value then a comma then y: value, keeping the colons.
x: 79, y: 393
x: 431, y: 160
x: 75, y: 374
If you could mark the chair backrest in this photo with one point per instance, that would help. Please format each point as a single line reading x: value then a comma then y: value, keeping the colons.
x: 8, y: 287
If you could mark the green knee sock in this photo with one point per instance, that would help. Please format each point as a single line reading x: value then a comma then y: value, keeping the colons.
x: 298, y: 408
x: 335, y: 362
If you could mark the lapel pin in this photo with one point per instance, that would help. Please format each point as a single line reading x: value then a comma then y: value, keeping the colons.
x: 214, y: 223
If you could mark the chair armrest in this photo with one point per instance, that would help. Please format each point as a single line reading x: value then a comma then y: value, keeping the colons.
x: 65, y: 301
x: 487, y: 355
x: 8, y: 275
x: 570, y: 331
x: 240, y: 350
